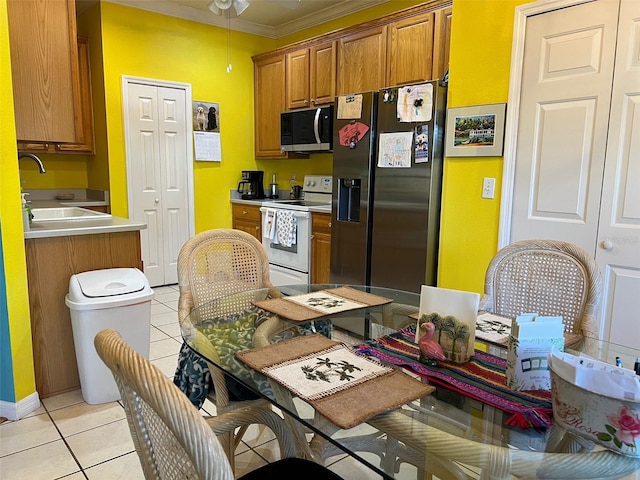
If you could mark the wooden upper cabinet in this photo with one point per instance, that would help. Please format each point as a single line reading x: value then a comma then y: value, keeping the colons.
x: 269, y: 88
x: 298, y: 79
x: 362, y: 60
x: 85, y: 143
x: 410, y: 50
x: 311, y: 76
x: 441, y: 41
x: 44, y: 67
x: 322, y: 59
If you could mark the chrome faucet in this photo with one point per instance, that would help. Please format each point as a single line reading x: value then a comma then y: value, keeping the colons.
x: 34, y: 158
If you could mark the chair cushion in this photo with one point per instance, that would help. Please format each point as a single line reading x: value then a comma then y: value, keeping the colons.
x: 292, y: 469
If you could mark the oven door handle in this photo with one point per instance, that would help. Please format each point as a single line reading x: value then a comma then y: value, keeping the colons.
x: 296, y: 213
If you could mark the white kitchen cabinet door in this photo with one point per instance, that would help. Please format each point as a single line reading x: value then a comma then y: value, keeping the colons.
x: 159, y: 174
x: 576, y: 168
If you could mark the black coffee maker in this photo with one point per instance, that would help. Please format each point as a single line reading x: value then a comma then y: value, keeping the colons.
x: 251, y: 187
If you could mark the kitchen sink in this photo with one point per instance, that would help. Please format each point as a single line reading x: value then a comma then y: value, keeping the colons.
x: 65, y: 213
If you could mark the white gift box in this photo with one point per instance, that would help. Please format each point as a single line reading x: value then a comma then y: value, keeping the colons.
x: 532, y: 339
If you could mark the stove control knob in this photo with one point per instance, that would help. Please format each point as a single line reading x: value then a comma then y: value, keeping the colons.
x: 311, y: 183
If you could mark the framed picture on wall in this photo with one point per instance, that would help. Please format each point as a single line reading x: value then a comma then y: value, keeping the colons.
x: 476, y: 131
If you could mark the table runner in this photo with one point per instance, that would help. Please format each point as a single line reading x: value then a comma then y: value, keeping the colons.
x: 482, y: 378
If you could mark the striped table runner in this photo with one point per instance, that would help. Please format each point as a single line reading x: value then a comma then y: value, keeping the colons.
x: 482, y: 378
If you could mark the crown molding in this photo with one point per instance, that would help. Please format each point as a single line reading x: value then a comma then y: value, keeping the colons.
x: 197, y: 15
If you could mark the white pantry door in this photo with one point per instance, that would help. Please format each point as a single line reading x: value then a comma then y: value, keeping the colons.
x: 159, y: 175
x: 563, y: 120
x: 577, y: 163
x: 618, y: 253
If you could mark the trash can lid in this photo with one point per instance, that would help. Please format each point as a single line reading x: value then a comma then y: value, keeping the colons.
x: 110, y: 282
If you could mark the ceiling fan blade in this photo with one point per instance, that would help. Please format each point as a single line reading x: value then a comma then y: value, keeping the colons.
x: 240, y: 6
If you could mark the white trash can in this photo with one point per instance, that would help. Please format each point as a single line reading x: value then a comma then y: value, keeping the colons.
x: 116, y: 298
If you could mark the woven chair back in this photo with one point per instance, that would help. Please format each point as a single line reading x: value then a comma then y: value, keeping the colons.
x: 546, y: 277
x: 170, y: 436
x: 218, y: 263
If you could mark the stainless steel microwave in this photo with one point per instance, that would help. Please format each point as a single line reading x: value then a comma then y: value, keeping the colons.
x: 307, y: 130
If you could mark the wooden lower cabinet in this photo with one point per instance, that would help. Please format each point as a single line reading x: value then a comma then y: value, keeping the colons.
x: 50, y: 264
x: 247, y: 218
x: 320, y: 247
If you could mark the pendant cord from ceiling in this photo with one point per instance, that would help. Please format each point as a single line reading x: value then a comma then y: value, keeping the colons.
x: 228, y: 41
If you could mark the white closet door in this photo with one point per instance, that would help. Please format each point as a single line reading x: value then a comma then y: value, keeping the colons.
x: 173, y: 166
x: 618, y: 253
x: 563, y: 121
x: 158, y: 184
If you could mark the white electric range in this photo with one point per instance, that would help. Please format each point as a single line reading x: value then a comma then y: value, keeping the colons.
x: 290, y: 259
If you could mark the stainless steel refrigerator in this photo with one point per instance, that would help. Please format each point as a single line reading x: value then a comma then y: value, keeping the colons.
x: 386, y: 201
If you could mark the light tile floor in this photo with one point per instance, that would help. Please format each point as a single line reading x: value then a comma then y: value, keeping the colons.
x: 68, y: 438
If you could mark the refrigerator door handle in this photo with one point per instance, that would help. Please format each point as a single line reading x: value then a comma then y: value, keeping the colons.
x: 316, y: 125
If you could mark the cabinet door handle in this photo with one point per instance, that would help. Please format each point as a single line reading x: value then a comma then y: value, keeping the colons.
x: 244, y: 212
x: 157, y: 201
x: 329, y: 225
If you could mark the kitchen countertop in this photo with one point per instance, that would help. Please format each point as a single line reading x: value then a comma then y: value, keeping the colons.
x: 92, y: 226
x: 257, y: 203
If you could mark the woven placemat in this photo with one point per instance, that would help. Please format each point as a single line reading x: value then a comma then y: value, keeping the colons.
x: 352, y: 406
x: 369, y: 299
x: 300, y: 313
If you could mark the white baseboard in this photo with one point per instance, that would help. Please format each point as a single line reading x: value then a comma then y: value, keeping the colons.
x: 16, y: 411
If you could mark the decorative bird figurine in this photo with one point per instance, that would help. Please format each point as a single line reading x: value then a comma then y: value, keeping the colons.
x: 429, y: 348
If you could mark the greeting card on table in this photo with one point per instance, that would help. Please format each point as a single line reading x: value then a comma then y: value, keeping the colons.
x: 532, y: 339
x: 453, y: 314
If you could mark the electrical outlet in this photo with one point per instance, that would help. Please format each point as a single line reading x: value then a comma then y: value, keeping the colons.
x: 488, y: 187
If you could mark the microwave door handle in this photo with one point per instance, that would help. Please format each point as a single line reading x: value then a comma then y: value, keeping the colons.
x: 316, y: 125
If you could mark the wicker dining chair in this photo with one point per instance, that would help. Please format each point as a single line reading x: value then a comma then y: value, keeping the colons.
x: 547, y: 277
x: 212, y: 266
x: 172, y: 439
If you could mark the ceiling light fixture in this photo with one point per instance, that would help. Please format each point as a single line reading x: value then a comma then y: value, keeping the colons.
x: 217, y: 6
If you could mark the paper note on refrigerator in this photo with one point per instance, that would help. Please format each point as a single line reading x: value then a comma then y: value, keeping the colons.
x: 422, y: 143
x: 395, y: 150
x: 349, y: 107
x: 415, y: 103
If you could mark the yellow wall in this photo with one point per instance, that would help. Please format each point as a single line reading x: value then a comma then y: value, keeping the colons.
x: 12, y: 242
x: 162, y: 47
x: 479, y: 74
x: 97, y: 165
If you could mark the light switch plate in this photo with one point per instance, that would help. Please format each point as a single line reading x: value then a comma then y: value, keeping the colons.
x: 488, y: 187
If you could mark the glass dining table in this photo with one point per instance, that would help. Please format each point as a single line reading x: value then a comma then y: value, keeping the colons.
x: 449, y: 433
